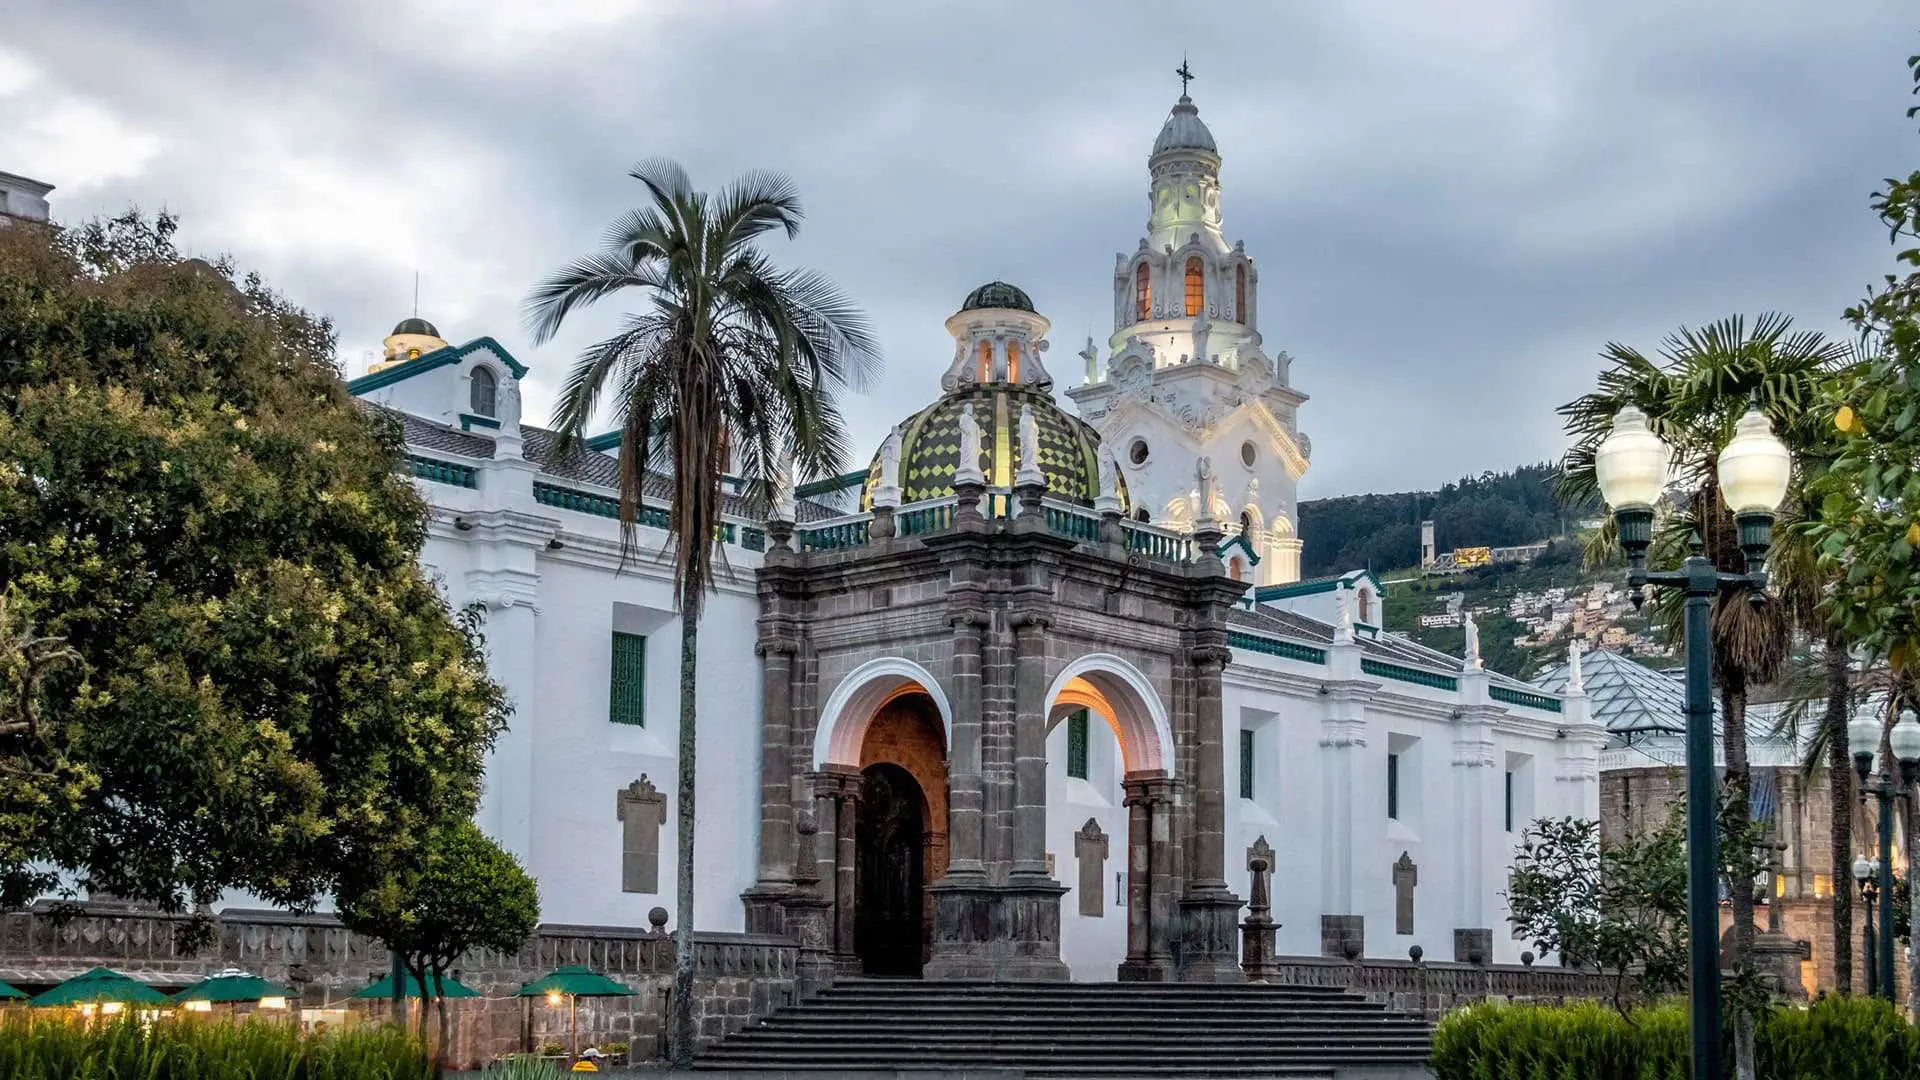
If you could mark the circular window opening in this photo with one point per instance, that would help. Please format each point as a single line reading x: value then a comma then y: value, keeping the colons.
x: 1249, y: 454
x: 1137, y: 452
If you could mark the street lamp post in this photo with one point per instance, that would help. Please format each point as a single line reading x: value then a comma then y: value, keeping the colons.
x: 1863, y: 738
x: 1630, y: 465
x: 1864, y: 873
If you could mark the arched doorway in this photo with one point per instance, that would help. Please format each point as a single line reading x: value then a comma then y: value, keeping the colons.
x: 890, y: 842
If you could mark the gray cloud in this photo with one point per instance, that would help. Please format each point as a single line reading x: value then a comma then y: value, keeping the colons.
x: 1454, y: 206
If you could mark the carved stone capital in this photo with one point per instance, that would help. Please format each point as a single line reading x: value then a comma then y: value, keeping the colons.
x: 1217, y: 656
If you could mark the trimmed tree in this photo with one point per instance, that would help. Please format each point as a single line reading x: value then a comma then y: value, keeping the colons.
x: 222, y: 666
x: 463, y: 892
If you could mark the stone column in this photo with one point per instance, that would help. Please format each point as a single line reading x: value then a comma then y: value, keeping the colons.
x: 1030, y: 744
x: 1210, y: 912
x: 1343, y: 742
x: 506, y: 804
x: 839, y: 787
x: 1474, y: 756
x: 1153, y: 877
x: 777, y: 855
x: 964, y: 799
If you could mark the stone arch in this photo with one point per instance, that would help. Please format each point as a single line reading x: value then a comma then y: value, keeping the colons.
x: 859, y: 698
x: 1120, y: 694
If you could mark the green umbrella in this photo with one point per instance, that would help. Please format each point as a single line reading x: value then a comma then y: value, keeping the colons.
x: 574, y: 981
x: 232, y: 988
x: 98, y: 986
x: 11, y: 993
x: 449, y: 987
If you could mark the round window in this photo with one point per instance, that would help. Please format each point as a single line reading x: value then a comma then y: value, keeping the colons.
x: 1248, y: 454
x: 1137, y: 452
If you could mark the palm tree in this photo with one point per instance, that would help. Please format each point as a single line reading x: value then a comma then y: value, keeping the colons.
x: 1693, y: 395
x: 733, y: 362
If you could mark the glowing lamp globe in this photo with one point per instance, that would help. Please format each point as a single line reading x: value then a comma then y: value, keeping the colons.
x: 1862, y: 869
x: 1863, y: 742
x: 1755, y: 466
x: 1630, y: 464
x: 1905, y: 738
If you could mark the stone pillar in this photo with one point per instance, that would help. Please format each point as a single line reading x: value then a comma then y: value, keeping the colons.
x: 775, y: 877
x: 1475, y: 777
x: 1343, y: 741
x: 838, y: 786
x: 1153, y: 877
x: 1209, y: 947
x: 964, y: 837
x: 1030, y: 744
x: 809, y: 911
x: 506, y: 804
x: 1257, y: 934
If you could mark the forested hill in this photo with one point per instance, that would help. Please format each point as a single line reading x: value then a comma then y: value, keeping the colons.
x: 1382, y: 532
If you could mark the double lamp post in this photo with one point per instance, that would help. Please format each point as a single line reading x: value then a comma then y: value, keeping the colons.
x: 1630, y: 465
x: 1876, y: 876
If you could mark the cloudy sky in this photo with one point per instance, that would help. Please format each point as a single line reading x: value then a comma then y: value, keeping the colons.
x: 1454, y: 205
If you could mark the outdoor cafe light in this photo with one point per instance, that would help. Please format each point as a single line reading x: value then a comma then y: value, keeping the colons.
x: 1753, y: 472
x: 273, y: 1003
x: 553, y: 997
x: 199, y: 1006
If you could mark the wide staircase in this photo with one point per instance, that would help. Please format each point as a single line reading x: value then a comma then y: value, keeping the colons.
x: 1081, y: 1030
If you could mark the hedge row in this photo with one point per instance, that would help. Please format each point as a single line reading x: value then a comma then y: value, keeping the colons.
x: 35, y: 1046
x: 1854, y: 1038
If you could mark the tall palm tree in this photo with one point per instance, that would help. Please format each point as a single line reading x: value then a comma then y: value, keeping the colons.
x: 731, y: 362
x: 1693, y: 396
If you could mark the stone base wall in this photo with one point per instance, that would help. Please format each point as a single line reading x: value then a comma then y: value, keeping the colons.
x: 1432, y: 989
x: 737, y: 976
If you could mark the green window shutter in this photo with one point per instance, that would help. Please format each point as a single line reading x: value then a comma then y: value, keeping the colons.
x: 627, y: 692
x: 1246, y: 764
x: 1393, y: 786
x: 1077, y: 745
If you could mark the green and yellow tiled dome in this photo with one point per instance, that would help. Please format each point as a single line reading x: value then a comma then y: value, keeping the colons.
x: 930, y: 445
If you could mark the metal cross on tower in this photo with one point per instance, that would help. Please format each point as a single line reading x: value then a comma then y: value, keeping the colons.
x: 1186, y: 75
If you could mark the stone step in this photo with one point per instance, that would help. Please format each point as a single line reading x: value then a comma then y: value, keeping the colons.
x: 1103, y: 1027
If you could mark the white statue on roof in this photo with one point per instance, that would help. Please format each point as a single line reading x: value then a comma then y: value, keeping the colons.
x: 1473, y: 640
x: 1108, y: 501
x: 1030, y: 474
x: 887, y: 492
x: 968, y: 470
x: 1576, y: 684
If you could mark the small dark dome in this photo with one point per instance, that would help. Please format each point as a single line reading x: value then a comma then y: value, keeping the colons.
x: 997, y: 294
x: 416, y: 325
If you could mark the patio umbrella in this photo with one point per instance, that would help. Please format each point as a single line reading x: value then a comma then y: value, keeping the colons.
x: 11, y: 993
x: 97, y: 987
x: 573, y: 981
x: 233, y: 987
x: 450, y: 988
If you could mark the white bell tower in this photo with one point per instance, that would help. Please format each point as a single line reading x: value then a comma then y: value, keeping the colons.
x: 1185, y: 375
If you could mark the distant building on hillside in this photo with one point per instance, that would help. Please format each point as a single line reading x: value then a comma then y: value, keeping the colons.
x: 23, y: 199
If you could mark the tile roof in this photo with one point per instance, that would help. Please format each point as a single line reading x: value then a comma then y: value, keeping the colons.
x: 582, y: 466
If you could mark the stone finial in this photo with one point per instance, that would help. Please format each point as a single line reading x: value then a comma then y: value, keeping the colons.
x: 887, y: 492
x: 968, y: 471
x: 1029, y: 474
x: 1576, y: 682
x: 1092, y: 356
x: 1108, y: 501
x: 1473, y: 640
x: 1343, y: 627
x: 783, y: 490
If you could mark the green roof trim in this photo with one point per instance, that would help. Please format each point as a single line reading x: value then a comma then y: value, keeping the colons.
x: 1416, y: 676
x: 605, y: 441
x: 439, y: 358
x: 468, y: 422
x: 1510, y: 696
x: 1313, y: 586
x: 1290, y: 650
x: 1240, y: 541
x: 831, y: 484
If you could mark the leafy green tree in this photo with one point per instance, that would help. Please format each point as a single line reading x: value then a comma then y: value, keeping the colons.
x: 734, y: 365
x: 241, y: 679
x: 461, y: 892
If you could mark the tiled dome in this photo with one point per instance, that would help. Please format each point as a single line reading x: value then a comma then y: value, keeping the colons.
x: 930, y: 445
x: 416, y: 325
x: 997, y: 294
x: 1184, y: 130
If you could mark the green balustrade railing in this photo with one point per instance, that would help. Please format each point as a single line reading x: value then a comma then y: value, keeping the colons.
x: 1157, y: 545
x: 1523, y: 699
x: 1066, y: 521
x: 443, y: 472
x: 1416, y: 676
x: 1290, y: 650
x: 832, y: 537
x: 916, y: 520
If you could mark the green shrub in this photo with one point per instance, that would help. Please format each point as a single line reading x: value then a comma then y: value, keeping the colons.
x: 524, y: 1068
x: 39, y: 1046
x: 1854, y: 1038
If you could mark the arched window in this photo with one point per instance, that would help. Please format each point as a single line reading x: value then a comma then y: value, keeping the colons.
x: 1013, y: 361
x: 1366, y: 606
x: 1196, y: 287
x: 986, y: 361
x: 483, y: 391
x: 1233, y: 569
x: 1240, y: 292
x: 1246, y: 523
x: 1142, y: 293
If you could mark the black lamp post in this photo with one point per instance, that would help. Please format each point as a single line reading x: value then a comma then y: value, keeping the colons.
x: 1630, y: 465
x: 1864, y: 872
x: 1863, y: 738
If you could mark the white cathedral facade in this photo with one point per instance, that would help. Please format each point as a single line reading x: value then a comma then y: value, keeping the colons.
x: 1022, y: 699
